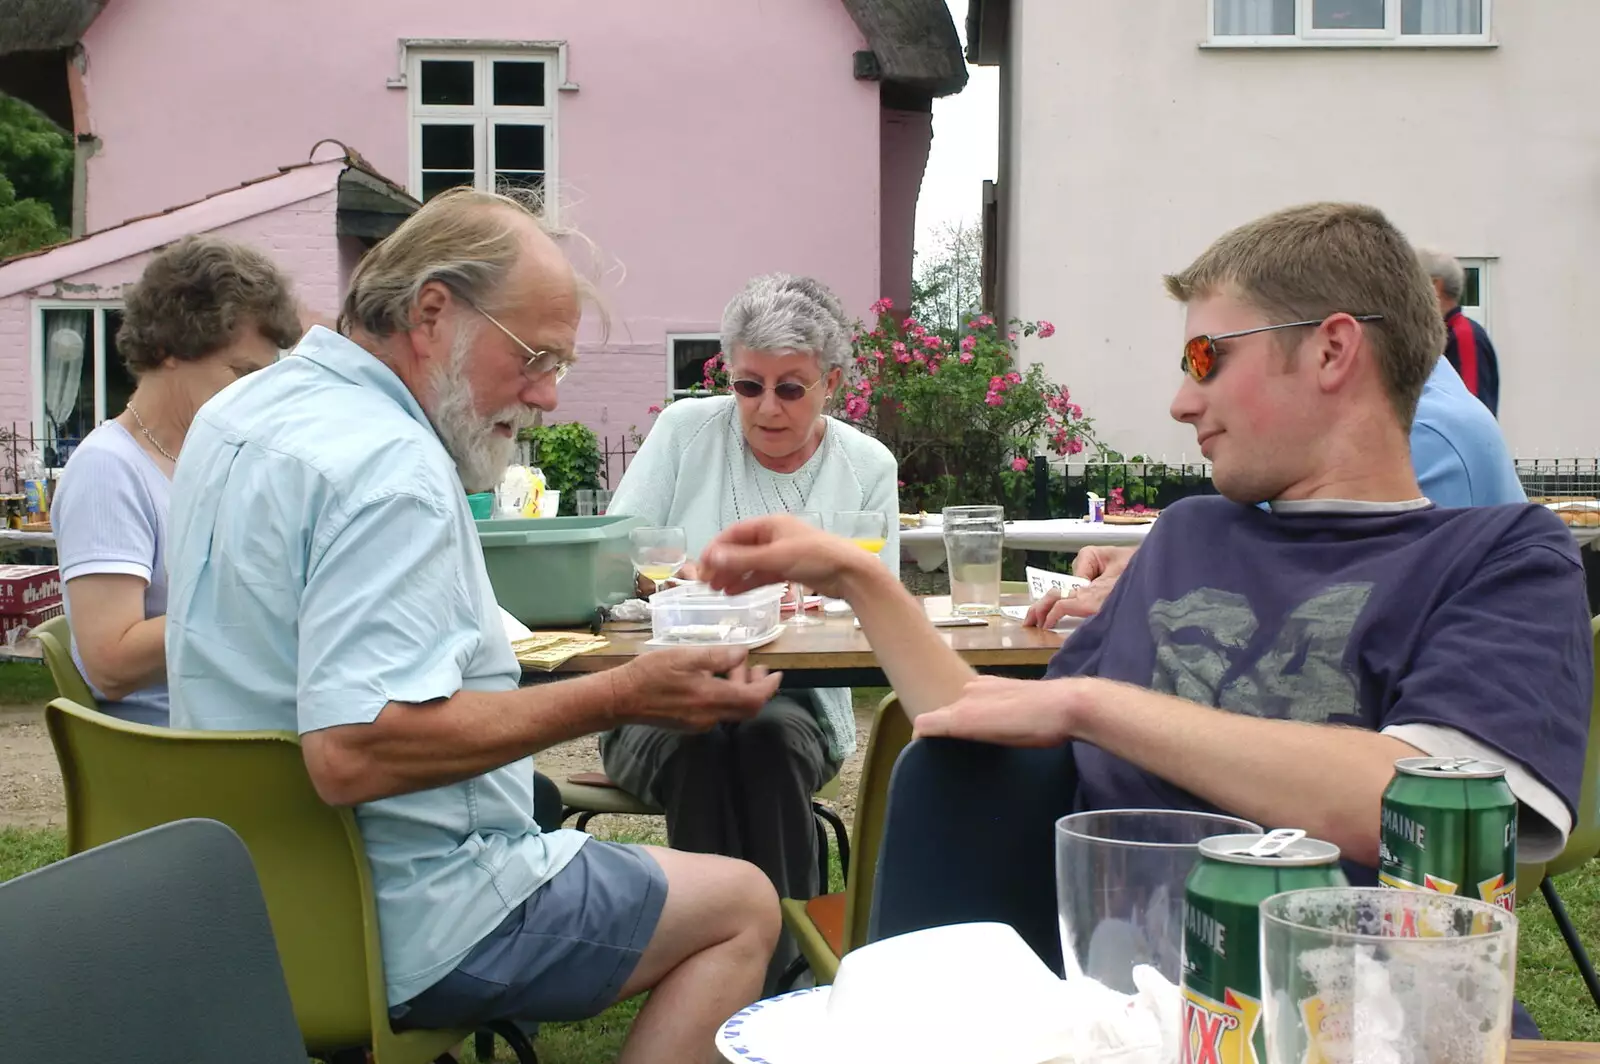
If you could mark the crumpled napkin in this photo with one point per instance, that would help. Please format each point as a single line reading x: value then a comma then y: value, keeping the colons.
x: 631, y: 610
x: 1142, y: 1028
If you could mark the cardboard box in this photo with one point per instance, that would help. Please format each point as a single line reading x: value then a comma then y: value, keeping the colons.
x: 13, y: 626
x: 26, y: 587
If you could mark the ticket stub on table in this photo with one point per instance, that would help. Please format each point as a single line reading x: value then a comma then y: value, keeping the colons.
x: 1042, y: 580
x: 548, y: 651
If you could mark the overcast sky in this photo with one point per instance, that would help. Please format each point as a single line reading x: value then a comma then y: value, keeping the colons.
x: 965, y: 145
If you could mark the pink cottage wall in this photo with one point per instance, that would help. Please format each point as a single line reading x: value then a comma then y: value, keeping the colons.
x: 708, y: 142
x: 300, y: 238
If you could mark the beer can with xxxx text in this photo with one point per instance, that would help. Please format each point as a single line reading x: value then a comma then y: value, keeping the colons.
x: 1450, y: 826
x: 1222, y: 1021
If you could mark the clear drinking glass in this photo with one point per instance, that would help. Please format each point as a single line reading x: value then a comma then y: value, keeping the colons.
x: 585, y: 502
x: 1357, y: 974
x: 868, y: 529
x: 800, y: 618
x: 974, y: 537
x: 602, y: 501
x: 1119, y: 888
x: 658, y: 553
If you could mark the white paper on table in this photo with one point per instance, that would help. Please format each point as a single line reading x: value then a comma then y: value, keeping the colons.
x: 515, y: 629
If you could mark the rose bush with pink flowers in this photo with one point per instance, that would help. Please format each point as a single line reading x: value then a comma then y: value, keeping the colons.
x: 963, y: 419
x: 960, y: 416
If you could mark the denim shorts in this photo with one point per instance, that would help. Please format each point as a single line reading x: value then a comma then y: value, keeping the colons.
x: 564, y: 954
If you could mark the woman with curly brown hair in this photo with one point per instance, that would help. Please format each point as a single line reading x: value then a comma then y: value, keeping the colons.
x: 205, y: 312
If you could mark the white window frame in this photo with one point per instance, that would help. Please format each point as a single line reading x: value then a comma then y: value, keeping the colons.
x: 1485, y: 267
x: 1388, y: 37
x: 36, y: 353
x: 672, y: 360
x: 484, y: 114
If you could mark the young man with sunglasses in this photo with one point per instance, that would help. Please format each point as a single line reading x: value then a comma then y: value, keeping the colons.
x: 1272, y: 663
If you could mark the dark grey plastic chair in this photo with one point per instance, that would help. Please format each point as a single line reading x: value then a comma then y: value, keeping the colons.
x: 969, y: 835
x: 153, y: 948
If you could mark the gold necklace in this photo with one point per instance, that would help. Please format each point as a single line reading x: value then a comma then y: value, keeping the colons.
x: 153, y: 441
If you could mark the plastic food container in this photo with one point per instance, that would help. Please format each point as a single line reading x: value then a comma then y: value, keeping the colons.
x: 555, y: 572
x: 693, y: 614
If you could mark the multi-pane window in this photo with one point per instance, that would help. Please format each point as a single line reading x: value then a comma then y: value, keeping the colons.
x: 1441, y: 22
x: 482, y: 119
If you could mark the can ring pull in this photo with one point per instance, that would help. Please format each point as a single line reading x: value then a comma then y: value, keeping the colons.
x: 1275, y: 842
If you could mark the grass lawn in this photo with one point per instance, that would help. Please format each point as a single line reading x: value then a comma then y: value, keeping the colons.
x: 24, y: 683
x: 1547, y: 980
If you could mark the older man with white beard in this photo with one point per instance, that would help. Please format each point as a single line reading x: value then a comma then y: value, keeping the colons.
x: 326, y: 577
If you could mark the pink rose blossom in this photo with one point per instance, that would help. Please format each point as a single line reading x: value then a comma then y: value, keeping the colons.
x: 655, y: 408
x: 1075, y: 446
x: 883, y: 306
x: 993, y: 399
x: 1012, y: 336
x: 903, y: 355
x: 969, y: 342
x: 899, y: 349
x: 910, y: 323
x: 982, y: 322
x: 1019, y: 463
x: 1046, y: 330
x: 966, y: 356
x: 855, y: 408
x: 932, y: 342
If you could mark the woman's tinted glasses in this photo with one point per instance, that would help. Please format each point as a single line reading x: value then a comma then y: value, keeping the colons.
x: 787, y: 391
x: 1200, y: 353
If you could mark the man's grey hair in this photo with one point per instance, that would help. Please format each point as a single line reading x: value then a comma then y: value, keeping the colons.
x: 467, y: 240
x: 781, y: 312
x: 1446, y: 270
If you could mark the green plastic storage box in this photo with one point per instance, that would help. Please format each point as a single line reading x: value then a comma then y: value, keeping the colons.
x: 553, y: 572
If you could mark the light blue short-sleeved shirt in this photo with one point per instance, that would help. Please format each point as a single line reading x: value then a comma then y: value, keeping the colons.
x: 323, y: 563
x: 110, y: 517
x: 1457, y: 450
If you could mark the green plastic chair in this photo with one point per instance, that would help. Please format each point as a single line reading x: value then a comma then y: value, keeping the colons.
x: 1582, y: 844
x: 122, y: 778
x: 56, y: 638
x: 827, y: 927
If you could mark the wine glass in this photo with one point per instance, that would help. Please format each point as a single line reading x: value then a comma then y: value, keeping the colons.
x: 867, y: 529
x: 814, y: 519
x: 658, y: 553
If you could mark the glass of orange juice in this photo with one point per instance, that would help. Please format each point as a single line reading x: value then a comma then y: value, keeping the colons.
x: 658, y: 553
x: 867, y: 529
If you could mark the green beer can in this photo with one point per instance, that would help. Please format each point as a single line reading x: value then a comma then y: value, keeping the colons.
x: 1222, y: 1022
x: 1450, y: 826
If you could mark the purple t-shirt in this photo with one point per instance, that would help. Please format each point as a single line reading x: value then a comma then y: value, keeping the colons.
x: 1470, y: 619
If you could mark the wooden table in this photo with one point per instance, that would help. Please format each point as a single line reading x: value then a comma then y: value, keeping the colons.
x: 835, y: 653
x: 1554, y: 1053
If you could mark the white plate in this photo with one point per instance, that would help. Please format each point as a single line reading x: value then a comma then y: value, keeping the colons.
x: 748, y: 644
x: 780, y: 1030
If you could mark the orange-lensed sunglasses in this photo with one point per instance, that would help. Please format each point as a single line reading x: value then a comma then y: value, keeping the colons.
x: 1200, y: 353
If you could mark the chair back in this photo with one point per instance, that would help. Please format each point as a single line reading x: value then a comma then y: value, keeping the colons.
x: 891, y: 731
x: 121, y: 778
x: 1584, y: 841
x: 152, y: 948
x: 56, y: 638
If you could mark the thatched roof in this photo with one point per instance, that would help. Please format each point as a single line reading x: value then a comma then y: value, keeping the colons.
x: 44, y: 25
x: 915, y: 43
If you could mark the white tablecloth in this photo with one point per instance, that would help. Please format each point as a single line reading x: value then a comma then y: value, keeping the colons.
x: 925, y: 546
